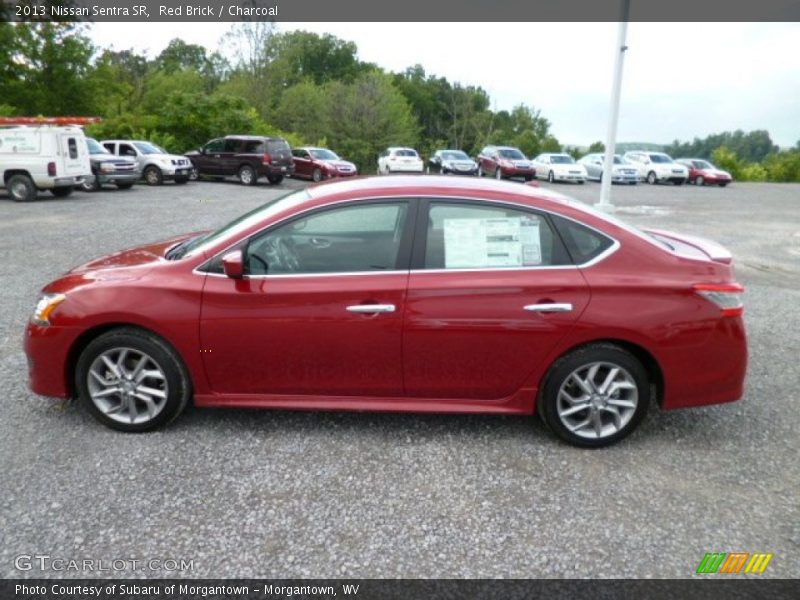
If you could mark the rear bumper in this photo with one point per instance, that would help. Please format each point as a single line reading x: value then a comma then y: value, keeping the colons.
x: 275, y: 170
x: 47, y: 350
x: 710, y: 373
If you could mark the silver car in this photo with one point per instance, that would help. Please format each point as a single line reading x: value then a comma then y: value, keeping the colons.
x: 157, y: 165
x: 622, y: 172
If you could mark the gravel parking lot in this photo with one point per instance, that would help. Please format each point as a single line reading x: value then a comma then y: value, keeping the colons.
x: 289, y: 494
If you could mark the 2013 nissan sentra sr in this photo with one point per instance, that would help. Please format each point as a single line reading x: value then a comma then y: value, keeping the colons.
x: 427, y: 294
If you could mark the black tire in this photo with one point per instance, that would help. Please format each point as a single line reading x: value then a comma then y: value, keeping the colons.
x: 498, y: 174
x: 679, y: 182
x: 316, y: 175
x: 90, y: 184
x: 247, y: 175
x: 153, y: 175
x: 181, y: 180
x: 551, y: 177
x: 528, y: 178
x: 582, y: 181
x: 699, y: 180
x: 194, y: 174
x: 124, y: 186
x: 21, y: 188
x: 62, y: 192
x: 560, y: 376
x: 480, y: 171
x: 651, y: 178
x: 722, y: 184
x: 178, y: 384
x: 274, y: 179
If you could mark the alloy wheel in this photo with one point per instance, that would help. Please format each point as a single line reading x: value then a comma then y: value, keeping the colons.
x: 127, y: 385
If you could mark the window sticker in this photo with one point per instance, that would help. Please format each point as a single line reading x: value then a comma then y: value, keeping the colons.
x: 487, y: 243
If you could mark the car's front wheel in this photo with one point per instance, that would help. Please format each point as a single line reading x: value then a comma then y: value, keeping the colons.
x: 551, y: 177
x: 595, y: 396
x: 316, y: 175
x: 153, y: 176
x: 498, y: 174
x: 699, y: 180
x: 651, y: 178
x: 132, y: 380
x: 90, y: 184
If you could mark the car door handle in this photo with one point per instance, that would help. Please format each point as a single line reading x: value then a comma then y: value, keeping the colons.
x: 371, y: 308
x: 319, y: 242
x: 549, y: 307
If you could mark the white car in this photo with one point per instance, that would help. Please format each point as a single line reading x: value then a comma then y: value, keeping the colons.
x: 42, y: 157
x: 657, y: 167
x: 400, y: 160
x: 622, y: 171
x: 157, y: 164
x: 559, y: 167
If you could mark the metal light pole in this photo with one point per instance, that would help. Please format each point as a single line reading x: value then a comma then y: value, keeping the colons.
x: 613, y: 111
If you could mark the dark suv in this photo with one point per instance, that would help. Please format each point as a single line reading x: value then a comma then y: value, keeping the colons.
x: 246, y: 156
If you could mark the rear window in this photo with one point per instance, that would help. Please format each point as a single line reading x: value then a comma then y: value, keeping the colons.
x: 405, y: 153
x: 583, y: 243
x: 278, y: 147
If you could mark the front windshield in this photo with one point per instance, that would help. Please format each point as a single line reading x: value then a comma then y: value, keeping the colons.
x: 148, y: 148
x: 561, y: 159
x: 660, y: 158
x: 95, y: 147
x: 455, y: 155
x: 194, y: 246
x: 323, y: 154
x: 703, y: 164
x: 511, y: 153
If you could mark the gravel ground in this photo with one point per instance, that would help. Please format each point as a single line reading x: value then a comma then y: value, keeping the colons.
x: 283, y: 494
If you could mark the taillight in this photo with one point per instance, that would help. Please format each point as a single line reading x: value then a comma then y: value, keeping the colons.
x: 266, y: 159
x: 51, y: 169
x: 728, y: 296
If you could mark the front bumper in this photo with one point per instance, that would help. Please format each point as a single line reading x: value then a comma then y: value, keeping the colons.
x: 48, y: 353
x: 517, y: 172
x: 124, y: 177
x: 569, y: 177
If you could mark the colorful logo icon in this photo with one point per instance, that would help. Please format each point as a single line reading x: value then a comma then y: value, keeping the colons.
x: 733, y: 563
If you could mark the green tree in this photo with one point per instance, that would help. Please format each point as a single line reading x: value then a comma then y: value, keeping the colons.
x: 179, y: 56
x: 595, y: 147
x: 303, y: 109
x: 366, y: 116
x: 51, y: 62
x: 726, y: 159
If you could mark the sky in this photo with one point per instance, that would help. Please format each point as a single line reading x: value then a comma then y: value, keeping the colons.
x: 680, y: 80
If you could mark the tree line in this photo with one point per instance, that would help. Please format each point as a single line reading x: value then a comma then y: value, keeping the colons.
x: 310, y: 88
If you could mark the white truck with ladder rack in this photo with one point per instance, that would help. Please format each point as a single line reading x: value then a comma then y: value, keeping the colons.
x: 43, y: 153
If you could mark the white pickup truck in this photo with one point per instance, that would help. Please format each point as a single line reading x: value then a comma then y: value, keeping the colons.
x: 42, y: 157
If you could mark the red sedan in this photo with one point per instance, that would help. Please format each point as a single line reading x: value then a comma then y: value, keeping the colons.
x: 317, y: 164
x: 401, y: 294
x: 702, y: 172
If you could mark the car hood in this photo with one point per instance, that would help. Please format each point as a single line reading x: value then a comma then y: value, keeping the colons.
x: 339, y: 163
x: 715, y: 172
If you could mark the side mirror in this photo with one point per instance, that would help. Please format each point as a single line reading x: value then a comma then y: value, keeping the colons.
x: 233, y: 264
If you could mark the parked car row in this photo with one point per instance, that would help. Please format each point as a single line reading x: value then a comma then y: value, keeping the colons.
x: 507, y: 162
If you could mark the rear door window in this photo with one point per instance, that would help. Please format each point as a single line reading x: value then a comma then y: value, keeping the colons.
x: 482, y: 236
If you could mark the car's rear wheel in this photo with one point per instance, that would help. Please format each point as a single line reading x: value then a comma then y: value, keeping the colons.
x: 651, y: 178
x: 247, y: 175
x: 551, y: 177
x: 595, y: 396
x: 153, y: 176
x: 132, y: 380
x: 699, y: 180
x: 21, y: 188
x: 274, y: 179
x: 316, y: 175
x: 62, y: 192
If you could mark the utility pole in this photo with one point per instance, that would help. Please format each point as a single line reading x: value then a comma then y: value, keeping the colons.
x: 613, y: 111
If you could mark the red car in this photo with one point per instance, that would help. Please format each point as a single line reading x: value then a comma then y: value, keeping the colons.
x: 504, y: 162
x: 702, y: 172
x: 425, y: 294
x: 320, y: 163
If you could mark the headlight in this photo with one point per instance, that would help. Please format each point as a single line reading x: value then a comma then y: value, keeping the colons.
x: 45, y: 306
x: 107, y: 167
